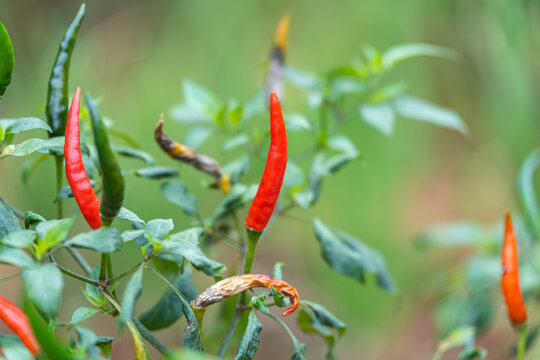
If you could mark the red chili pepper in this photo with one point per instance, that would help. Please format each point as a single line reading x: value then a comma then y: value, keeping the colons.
x: 19, y: 323
x: 265, y: 200
x: 510, y: 277
x: 76, y: 175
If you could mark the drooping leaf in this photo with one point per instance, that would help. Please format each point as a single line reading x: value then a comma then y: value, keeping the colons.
x: 400, y: 53
x: 131, y: 294
x: 104, y: 240
x: 44, y: 284
x: 460, y: 337
x: 420, y: 110
x: 250, y: 340
x: 194, y: 255
x: 176, y: 193
x: 350, y: 257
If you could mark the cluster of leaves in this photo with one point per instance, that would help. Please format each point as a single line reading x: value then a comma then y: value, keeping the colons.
x: 472, y: 294
x: 172, y: 255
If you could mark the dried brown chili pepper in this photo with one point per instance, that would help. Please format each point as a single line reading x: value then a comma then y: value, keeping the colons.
x: 511, y: 289
x: 76, y: 174
x: 190, y: 156
x: 236, y: 284
x: 19, y: 323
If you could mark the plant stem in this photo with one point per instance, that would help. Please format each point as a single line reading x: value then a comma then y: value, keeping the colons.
x: 103, y: 268
x: 522, y: 341
x: 73, y: 274
x: 152, y: 340
x: 228, y: 336
x: 253, y: 239
x: 79, y: 259
x: 10, y: 277
x: 59, y: 163
x: 283, y: 325
x: 124, y: 274
x: 239, y: 229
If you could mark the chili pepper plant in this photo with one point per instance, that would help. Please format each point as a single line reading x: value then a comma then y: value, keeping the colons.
x: 87, y: 159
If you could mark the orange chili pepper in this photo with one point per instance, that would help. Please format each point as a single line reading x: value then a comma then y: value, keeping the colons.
x: 510, y: 277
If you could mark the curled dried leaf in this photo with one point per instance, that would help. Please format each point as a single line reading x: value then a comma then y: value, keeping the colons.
x: 236, y: 284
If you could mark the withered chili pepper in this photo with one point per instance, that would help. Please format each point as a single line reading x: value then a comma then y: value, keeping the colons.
x: 113, y: 181
x: 57, y: 94
x: 188, y: 155
x: 511, y: 289
x: 275, y: 75
x: 236, y: 284
x: 267, y: 195
x: 76, y: 175
x: 18, y: 322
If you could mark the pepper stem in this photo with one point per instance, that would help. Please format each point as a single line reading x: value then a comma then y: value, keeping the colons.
x: 522, y: 341
x: 253, y: 239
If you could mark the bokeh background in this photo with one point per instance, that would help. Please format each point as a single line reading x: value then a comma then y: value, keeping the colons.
x: 135, y: 54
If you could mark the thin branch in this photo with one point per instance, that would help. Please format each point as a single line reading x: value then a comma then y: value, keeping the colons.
x: 73, y: 274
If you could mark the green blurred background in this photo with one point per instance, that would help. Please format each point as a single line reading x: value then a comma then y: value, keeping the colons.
x: 135, y: 54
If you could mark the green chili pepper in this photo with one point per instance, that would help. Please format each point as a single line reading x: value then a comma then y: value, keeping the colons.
x: 7, y: 60
x: 113, y: 182
x: 57, y: 95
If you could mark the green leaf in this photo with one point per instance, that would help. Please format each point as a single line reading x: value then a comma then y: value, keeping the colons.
x: 51, y: 233
x: 456, y: 234
x: 379, y: 116
x: 463, y: 336
x: 200, y: 105
x: 20, y: 239
x: 279, y: 298
x: 44, y: 284
x: 255, y: 106
x: 234, y: 114
x: 17, y: 126
x: 299, y: 350
x: 105, y: 345
x: 294, y: 175
x: 235, y: 141
x: 176, y: 193
x: 8, y: 61
x: 400, y: 53
x: 14, y: 256
x: 130, y: 235
x: 168, y: 309
x: 239, y: 195
x: 157, y: 230
x: 131, y: 293
x: 13, y: 348
x: 196, y: 137
x: 157, y: 172
x: 250, y: 340
x: 8, y: 220
x: 277, y: 273
x: 325, y: 317
x: 53, y: 145
x: 82, y: 314
x: 301, y: 79
x: 420, y: 110
x: 343, y: 86
x: 350, y: 257
x: 194, y: 255
x: 103, y: 240
x: 527, y: 192
x: 91, y: 292
x: 297, y: 122
x: 237, y: 168
x: 126, y: 214
x: 135, y: 153
x: 259, y: 303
